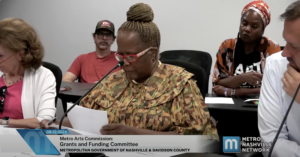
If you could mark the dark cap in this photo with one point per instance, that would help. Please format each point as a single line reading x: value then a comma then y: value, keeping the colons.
x: 105, y: 24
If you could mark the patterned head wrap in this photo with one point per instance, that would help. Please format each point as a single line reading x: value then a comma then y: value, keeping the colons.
x: 261, y: 8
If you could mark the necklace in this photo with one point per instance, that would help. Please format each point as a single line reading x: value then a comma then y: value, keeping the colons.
x: 11, y: 82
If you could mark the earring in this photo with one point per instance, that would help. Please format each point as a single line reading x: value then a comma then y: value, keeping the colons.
x: 153, y: 60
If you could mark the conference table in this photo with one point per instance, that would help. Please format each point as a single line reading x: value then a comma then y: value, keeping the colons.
x: 238, y: 119
x: 77, y: 90
x: 238, y: 106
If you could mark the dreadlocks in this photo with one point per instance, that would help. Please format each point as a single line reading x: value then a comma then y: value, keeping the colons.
x: 139, y: 20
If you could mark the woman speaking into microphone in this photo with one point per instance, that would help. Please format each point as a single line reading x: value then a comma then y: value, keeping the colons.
x: 147, y: 97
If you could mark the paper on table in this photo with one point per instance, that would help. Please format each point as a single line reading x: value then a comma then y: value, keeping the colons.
x: 217, y: 100
x: 86, y: 119
x: 251, y: 100
x: 6, y: 130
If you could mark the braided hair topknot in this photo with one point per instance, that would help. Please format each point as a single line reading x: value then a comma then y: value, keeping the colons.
x: 139, y: 20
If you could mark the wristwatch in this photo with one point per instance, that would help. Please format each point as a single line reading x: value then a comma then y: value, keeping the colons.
x: 232, y: 92
x: 5, y: 120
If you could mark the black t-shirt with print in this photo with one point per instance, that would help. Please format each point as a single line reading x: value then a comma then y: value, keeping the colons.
x: 244, y: 63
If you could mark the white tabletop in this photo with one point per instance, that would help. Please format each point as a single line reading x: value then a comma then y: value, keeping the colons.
x: 6, y: 130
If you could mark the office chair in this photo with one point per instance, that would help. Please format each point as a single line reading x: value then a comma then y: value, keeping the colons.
x: 199, y: 58
x: 57, y: 74
x: 199, y: 73
x: 78, y: 79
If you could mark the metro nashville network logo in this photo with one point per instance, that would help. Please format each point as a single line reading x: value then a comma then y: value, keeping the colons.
x: 234, y: 144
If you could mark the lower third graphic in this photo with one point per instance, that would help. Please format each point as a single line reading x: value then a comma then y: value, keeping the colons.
x: 231, y: 144
x: 38, y: 142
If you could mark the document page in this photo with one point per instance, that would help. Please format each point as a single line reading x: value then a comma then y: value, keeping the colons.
x: 88, y: 120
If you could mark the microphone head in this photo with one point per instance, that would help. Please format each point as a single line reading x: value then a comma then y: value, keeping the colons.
x: 121, y: 63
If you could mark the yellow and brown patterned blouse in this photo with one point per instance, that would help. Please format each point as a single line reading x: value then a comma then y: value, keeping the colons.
x: 168, y: 101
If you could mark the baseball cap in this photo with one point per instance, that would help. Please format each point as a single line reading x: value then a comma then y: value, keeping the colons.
x: 105, y: 24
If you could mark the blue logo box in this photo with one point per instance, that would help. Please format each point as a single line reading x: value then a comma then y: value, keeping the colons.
x: 38, y: 142
x: 231, y: 144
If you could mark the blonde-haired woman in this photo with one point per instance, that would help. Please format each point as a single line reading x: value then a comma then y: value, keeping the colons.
x: 27, y: 89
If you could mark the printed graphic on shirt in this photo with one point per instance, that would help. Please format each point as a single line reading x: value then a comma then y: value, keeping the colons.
x: 255, y: 67
x: 249, y: 68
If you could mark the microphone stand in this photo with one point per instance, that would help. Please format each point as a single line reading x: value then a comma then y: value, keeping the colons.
x: 60, y: 123
x: 283, y: 121
x: 118, y: 65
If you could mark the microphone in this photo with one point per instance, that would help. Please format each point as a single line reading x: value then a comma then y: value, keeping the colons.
x: 118, y: 65
x: 283, y: 121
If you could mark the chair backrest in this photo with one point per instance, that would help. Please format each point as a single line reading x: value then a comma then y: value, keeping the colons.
x: 78, y: 79
x: 199, y: 73
x: 57, y: 74
x: 200, y: 58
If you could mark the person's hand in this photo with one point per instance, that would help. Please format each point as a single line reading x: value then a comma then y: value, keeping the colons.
x: 291, y: 80
x: 44, y: 124
x: 219, y: 90
x: 117, y: 129
x: 253, y: 78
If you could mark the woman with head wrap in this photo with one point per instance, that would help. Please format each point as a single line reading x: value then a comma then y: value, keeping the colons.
x: 148, y: 97
x: 240, y: 61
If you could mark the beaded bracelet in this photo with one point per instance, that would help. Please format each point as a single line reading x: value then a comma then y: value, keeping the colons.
x: 225, y: 93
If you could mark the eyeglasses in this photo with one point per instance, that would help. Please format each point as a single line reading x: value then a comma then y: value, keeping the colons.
x: 107, y: 35
x: 2, y: 97
x: 6, y: 59
x: 131, y: 58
